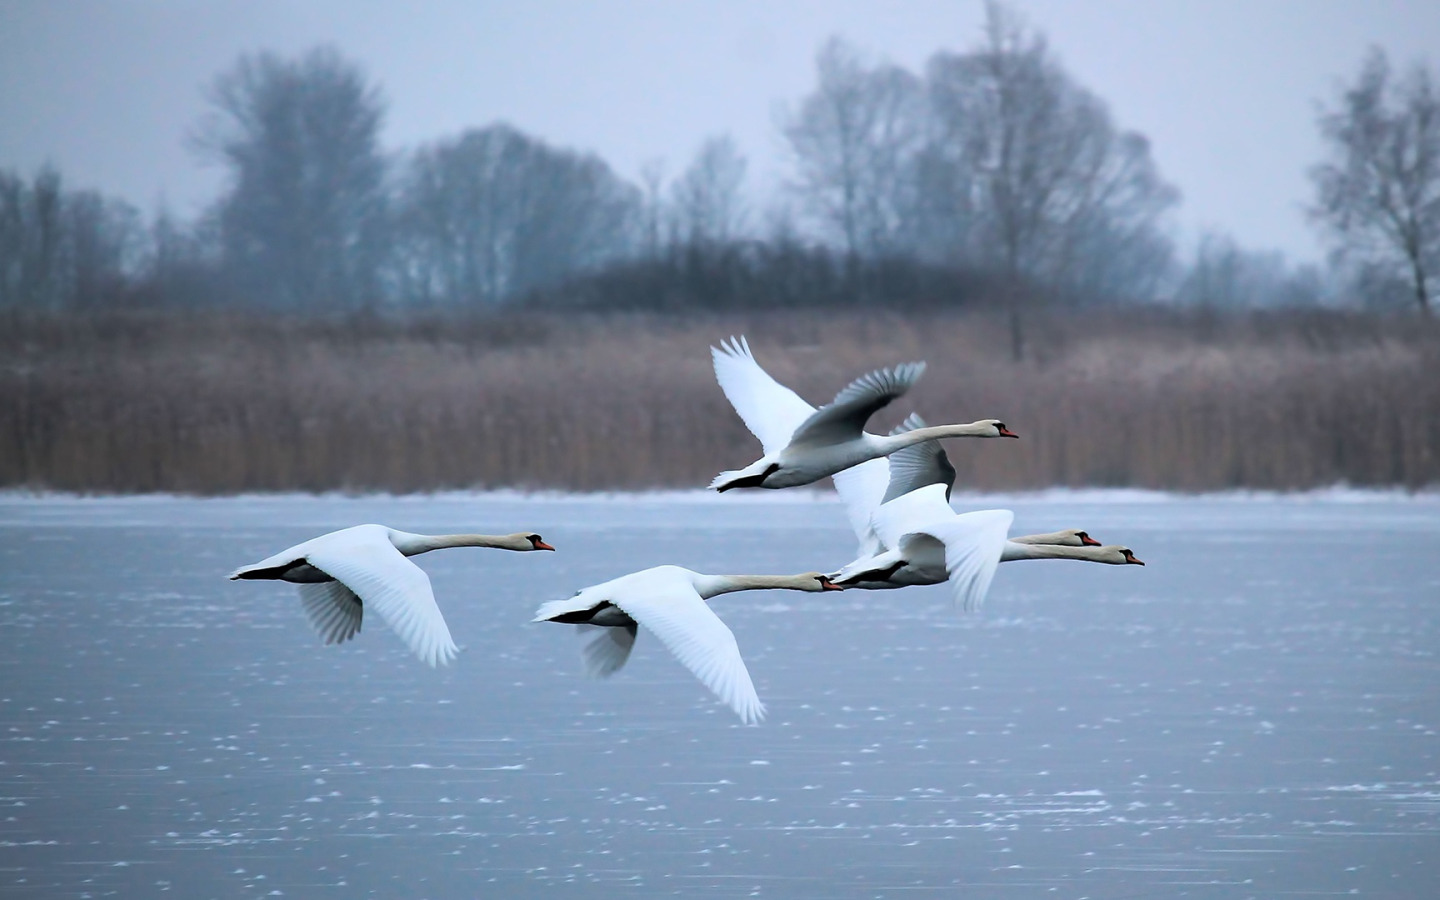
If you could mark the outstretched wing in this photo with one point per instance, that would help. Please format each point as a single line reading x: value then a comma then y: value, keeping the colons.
x: 384, y: 580
x: 862, y: 488
x: 973, y: 544
x: 843, y: 418
x: 911, y: 512
x: 333, y: 610
x: 607, y: 652
x: 768, y: 408
x: 917, y: 465
x: 703, y: 644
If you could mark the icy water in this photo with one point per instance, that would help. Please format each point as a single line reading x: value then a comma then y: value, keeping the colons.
x: 1253, y: 714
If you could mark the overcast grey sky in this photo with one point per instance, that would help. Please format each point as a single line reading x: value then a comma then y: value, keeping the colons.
x: 1225, y: 89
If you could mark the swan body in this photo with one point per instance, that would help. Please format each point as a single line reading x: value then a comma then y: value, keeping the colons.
x: 803, y: 444
x: 342, y: 572
x: 924, y: 541
x: 670, y: 602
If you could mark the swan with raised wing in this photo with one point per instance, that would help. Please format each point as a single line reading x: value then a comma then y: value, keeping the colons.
x: 803, y: 444
x: 865, y: 487
x: 670, y: 602
x: 924, y: 541
x: 342, y: 572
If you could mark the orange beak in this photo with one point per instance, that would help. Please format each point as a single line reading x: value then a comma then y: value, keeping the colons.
x: 1133, y: 560
x: 1005, y: 432
x: 541, y: 545
x: 828, y: 585
x: 1088, y: 541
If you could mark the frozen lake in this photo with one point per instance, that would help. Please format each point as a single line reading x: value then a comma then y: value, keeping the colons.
x: 1253, y: 714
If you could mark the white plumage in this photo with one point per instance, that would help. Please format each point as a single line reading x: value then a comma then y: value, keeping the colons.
x: 343, y: 572
x: 670, y: 602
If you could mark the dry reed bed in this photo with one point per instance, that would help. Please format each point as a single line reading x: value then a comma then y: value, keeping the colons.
x: 221, y: 403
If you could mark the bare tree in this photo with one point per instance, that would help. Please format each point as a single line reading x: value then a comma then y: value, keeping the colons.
x: 495, y: 212
x: 854, y: 140
x: 707, y: 199
x: 1378, y: 194
x: 652, y: 182
x: 1226, y: 275
x: 1033, y: 158
x: 62, y: 248
x: 302, y: 221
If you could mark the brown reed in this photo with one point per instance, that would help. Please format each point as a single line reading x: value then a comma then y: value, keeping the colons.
x: 214, y: 403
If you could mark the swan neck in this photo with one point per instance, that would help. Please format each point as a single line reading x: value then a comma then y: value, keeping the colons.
x: 415, y: 544
x: 935, y: 432
x: 714, y: 585
x: 1014, y: 551
x: 1054, y: 538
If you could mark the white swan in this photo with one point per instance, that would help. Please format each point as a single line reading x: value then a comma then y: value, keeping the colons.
x: 803, y: 444
x: 670, y: 601
x: 924, y: 541
x: 865, y: 487
x: 342, y: 572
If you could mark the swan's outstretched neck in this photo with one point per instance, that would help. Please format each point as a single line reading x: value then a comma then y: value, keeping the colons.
x: 893, y: 442
x: 1114, y: 555
x: 708, y: 586
x: 415, y: 544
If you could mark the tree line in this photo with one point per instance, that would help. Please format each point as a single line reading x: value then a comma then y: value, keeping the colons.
x: 991, y: 173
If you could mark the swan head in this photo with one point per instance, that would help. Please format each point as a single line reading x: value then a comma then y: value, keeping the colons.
x: 537, y: 543
x: 1122, y: 556
x: 1080, y: 537
x: 996, y: 429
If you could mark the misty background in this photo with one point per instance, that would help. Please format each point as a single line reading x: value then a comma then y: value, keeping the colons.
x: 1174, y: 211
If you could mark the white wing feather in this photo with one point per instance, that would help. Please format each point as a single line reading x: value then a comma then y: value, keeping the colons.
x: 674, y: 612
x: 844, y: 418
x: 768, y: 408
x: 607, y: 652
x: 370, y: 566
x: 862, y: 488
x: 911, y: 512
x: 973, y: 543
x: 333, y: 610
x: 920, y: 464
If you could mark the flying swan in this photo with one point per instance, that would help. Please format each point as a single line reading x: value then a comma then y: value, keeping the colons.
x: 670, y: 601
x: 342, y: 572
x: 924, y: 541
x: 803, y: 444
x: 865, y: 487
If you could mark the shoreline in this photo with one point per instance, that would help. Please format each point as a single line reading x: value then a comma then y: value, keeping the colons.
x: 1334, y: 494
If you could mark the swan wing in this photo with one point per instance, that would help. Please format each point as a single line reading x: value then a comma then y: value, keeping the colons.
x: 917, y: 465
x: 280, y: 561
x: 844, y: 418
x: 768, y: 408
x: 607, y: 652
x: 973, y: 543
x: 683, y: 622
x: 861, y: 489
x: 333, y: 610
x: 370, y: 566
x: 911, y: 512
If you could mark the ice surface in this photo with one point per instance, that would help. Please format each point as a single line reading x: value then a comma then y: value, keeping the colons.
x: 1254, y: 713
